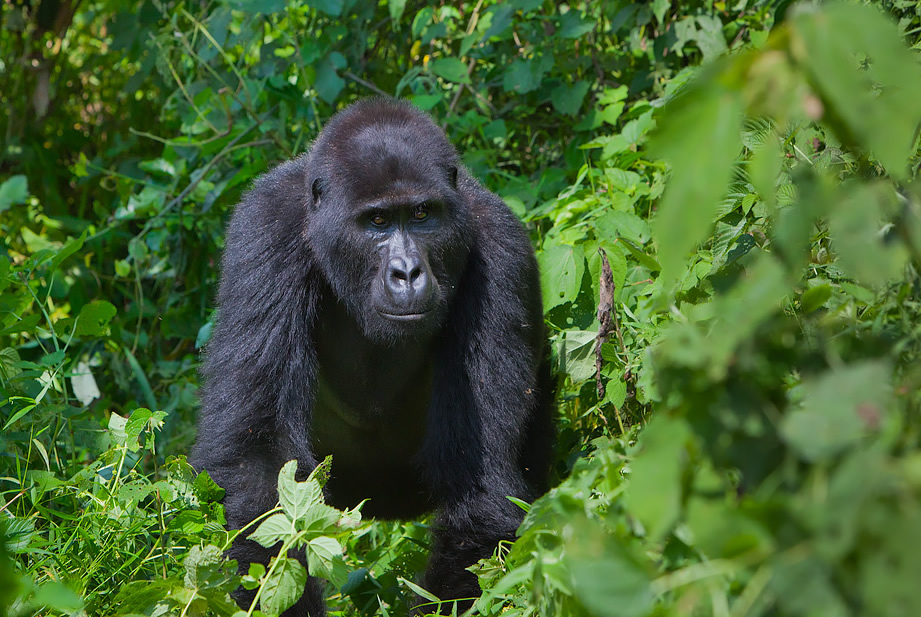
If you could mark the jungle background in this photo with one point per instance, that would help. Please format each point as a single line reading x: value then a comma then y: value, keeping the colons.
x: 738, y: 388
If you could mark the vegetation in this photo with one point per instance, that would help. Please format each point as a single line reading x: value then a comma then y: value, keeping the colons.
x: 726, y: 205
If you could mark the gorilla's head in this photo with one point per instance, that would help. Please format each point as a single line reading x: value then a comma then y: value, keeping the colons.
x: 386, y: 224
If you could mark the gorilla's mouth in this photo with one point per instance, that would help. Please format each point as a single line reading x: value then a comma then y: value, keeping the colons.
x: 405, y: 316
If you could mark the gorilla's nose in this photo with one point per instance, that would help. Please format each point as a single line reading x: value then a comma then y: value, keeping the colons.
x: 406, y: 278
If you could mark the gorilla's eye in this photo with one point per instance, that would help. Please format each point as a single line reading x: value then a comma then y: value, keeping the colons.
x: 420, y: 213
x: 378, y: 218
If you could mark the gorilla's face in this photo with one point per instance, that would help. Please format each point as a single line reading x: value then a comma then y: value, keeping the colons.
x: 388, y: 227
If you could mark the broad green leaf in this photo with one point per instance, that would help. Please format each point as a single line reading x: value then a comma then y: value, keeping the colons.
x: 568, y: 99
x: 18, y: 533
x: 277, y: 528
x: 13, y: 191
x: 815, y: 297
x: 207, y: 489
x: 396, y: 8
x: 324, y: 559
x: 699, y: 137
x: 573, y: 25
x: 135, y: 426
x: 710, y: 38
x: 606, y: 578
x: 328, y: 84
x: 743, y: 309
x: 654, y: 492
x: 856, y: 226
x: 577, y: 354
x: 764, y: 168
x: 94, y: 318
x: 422, y: 19
x: 116, y: 427
x: 284, y: 586
x: 561, y: 271
x: 839, y: 408
x: 451, y: 69
x: 333, y: 8
x: 722, y: 531
x: 296, y: 497
x: 58, y: 597
x: 876, y: 104
x: 613, y: 224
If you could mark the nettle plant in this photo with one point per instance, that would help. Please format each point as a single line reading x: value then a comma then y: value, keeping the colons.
x: 771, y: 337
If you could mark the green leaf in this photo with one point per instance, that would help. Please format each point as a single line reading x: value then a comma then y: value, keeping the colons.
x: 878, y: 105
x: 135, y: 426
x: 396, y: 8
x: 613, y: 224
x: 422, y: 19
x: 605, y: 577
x: 276, y: 528
x: 568, y: 99
x: 700, y: 138
x: 257, y: 6
x: 561, y: 270
x: 838, y: 409
x: 94, y: 318
x: 710, y: 37
x: 206, y: 489
x: 333, y: 8
x: 324, y: 559
x: 297, y: 497
x: 58, y: 597
x: 724, y: 532
x: 451, y: 69
x: 815, y: 297
x: 856, y: 225
x: 18, y: 533
x: 284, y: 586
x: 654, y: 492
x: 14, y: 191
x: 573, y: 25
x: 328, y: 84
x: 577, y: 355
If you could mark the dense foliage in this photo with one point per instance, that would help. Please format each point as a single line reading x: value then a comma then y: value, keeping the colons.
x: 726, y: 207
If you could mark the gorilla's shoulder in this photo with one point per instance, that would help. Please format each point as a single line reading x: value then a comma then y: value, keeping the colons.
x: 276, y: 202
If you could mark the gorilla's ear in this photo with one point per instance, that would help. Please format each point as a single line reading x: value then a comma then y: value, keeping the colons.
x: 317, y: 190
x: 452, y: 176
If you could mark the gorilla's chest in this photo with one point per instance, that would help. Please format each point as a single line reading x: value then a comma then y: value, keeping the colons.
x: 373, y: 427
x: 368, y: 419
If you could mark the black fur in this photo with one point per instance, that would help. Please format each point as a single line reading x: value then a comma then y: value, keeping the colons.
x: 411, y: 350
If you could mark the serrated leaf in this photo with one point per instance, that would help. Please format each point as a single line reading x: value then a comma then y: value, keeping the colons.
x: 699, y: 137
x: 324, y: 559
x: 277, y: 528
x: 284, y: 586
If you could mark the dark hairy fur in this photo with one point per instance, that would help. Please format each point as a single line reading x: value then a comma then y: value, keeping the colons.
x: 449, y: 412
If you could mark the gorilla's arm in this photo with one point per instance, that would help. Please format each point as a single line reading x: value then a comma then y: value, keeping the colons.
x: 260, y: 367
x: 486, y: 398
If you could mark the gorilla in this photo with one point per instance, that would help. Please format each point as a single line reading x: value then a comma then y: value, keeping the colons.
x: 377, y: 304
